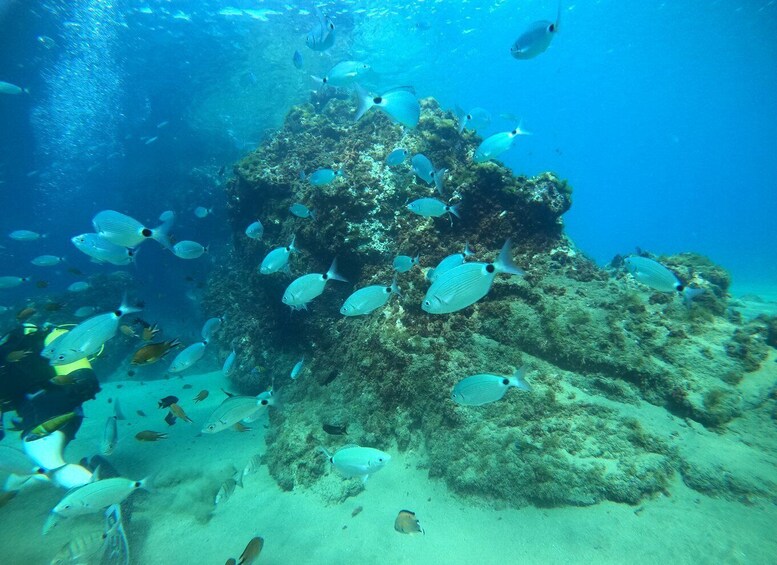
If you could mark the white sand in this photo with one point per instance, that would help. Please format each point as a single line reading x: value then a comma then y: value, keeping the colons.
x: 167, y: 526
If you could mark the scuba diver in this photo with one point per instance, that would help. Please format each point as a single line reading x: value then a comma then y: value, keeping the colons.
x: 47, y: 399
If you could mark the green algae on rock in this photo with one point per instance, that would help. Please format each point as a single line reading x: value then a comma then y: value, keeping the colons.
x: 604, y: 352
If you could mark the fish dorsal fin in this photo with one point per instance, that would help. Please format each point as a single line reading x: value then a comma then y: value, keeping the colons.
x: 346, y: 446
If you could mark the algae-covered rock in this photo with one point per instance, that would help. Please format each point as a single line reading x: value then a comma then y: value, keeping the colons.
x: 386, y: 377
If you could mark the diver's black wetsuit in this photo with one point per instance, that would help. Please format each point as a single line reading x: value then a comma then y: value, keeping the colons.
x: 26, y: 386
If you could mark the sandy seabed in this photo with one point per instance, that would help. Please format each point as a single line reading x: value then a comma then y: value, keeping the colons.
x: 178, y: 523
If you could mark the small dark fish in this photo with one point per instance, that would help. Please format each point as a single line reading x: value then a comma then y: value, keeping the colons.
x: 149, y: 332
x: 231, y: 561
x: 18, y: 355
x: 240, y: 427
x: 74, y: 271
x: 130, y: 373
x: 406, y: 523
x: 187, y: 386
x: 356, y: 511
x: 167, y: 401
x: 330, y: 377
x: 202, y: 395
x: 153, y: 352
x: 25, y: 314
x: 252, y: 551
x: 148, y: 435
x: 179, y: 413
x: 170, y: 419
x: 335, y: 430
x: 52, y: 307
x: 297, y: 59
x: 42, y: 284
x: 6, y: 497
x: 141, y: 413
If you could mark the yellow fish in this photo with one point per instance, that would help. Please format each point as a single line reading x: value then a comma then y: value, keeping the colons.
x: 252, y: 551
x: 406, y: 523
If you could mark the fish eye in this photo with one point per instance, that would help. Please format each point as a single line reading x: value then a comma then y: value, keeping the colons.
x: 552, y: 28
x: 377, y: 100
x: 505, y: 381
x: 60, y: 357
x: 146, y: 232
x: 264, y: 402
x: 490, y: 268
x: 427, y: 302
x: 388, y: 289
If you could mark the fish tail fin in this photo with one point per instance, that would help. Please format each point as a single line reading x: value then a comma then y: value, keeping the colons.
x: 51, y: 521
x: 146, y: 484
x: 161, y: 233
x: 394, y: 287
x: 455, y: 210
x: 293, y: 249
x: 519, y: 379
x: 439, y: 178
x: 689, y: 294
x: 461, y: 116
x: 504, y: 264
x: 364, y: 100
x: 468, y: 251
x: 333, y: 274
x: 125, y: 308
x: 519, y: 129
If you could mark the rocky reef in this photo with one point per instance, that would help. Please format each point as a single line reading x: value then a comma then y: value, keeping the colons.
x: 624, y: 379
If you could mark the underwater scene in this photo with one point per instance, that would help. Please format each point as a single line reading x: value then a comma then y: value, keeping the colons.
x: 388, y: 282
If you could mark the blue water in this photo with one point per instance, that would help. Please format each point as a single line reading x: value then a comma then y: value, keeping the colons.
x: 661, y: 116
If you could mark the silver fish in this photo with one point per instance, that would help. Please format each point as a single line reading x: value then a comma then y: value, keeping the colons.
x: 653, y: 274
x: 228, y: 363
x: 47, y: 260
x: 233, y: 410
x: 464, y: 285
x: 11, y: 282
x: 368, y: 299
x: 102, y: 250
x: 494, y: 145
x: 297, y: 368
x: 400, y: 104
x: 322, y: 36
x: 253, y: 465
x: 486, y: 388
x: 210, y: 327
x: 188, y: 357
x: 87, y: 337
x: 94, y: 497
x: 307, y: 287
x: 432, y: 208
x: 448, y: 263
x: 123, y: 230
x: 188, y: 249
x: 255, y: 230
x: 225, y: 491
x: 110, y: 436
x: 355, y: 461
x: 277, y: 259
x: 536, y: 39
x: 403, y: 263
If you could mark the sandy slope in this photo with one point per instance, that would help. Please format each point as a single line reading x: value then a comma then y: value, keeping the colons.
x: 174, y: 525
